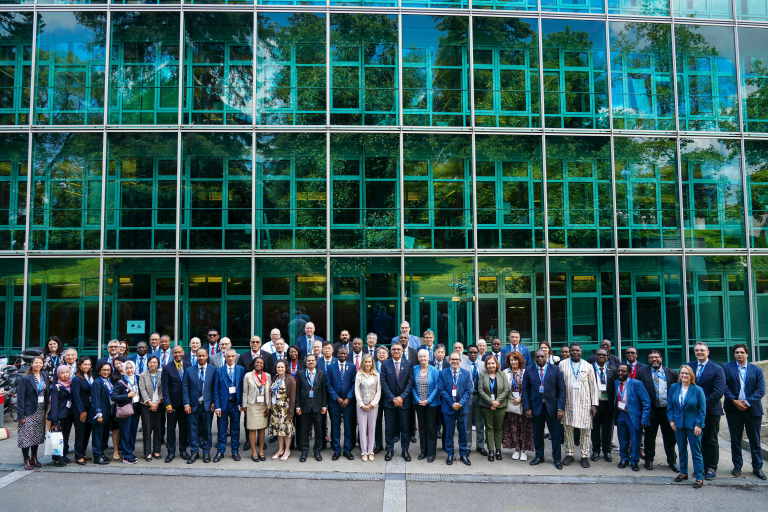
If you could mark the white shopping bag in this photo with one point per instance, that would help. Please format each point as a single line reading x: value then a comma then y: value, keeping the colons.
x: 57, y: 444
x: 48, y: 445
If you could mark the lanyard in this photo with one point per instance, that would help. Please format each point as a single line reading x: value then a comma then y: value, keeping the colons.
x: 55, y: 360
x: 601, y: 372
x: 294, y: 369
x: 576, y: 371
x: 180, y: 369
x: 39, y: 385
x: 493, y: 385
x: 131, y: 386
x: 154, y: 382
x: 514, y: 380
x: 311, y: 382
x: 623, y: 386
x: 231, y: 374
x: 683, y: 392
x: 259, y: 380
x: 455, y: 378
x: 543, y: 375
x: 276, y: 386
x: 107, y: 384
x: 202, y: 375
x: 660, y: 374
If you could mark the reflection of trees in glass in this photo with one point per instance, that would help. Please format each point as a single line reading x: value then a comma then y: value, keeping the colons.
x: 291, y: 68
x: 13, y: 190
x: 756, y: 154
x: 753, y: 53
x: 15, y: 66
x: 641, y: 79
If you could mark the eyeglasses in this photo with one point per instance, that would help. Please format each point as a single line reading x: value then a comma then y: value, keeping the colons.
x: 211, y: 335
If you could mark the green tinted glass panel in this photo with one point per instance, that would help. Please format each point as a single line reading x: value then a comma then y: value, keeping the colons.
x: 506, y: 73
x: 641, y: 76
x: 753, y: 59
x: 639, y: 7
x: 756, y: 154
x: 713, y: 205
x: 509, y: 190
x: 505, y: 5
x: 66, y: 191
x: 218, y: 68
x: 579, y: 192
x: 13, y: 190
x: 141, y: 191
x: 216, y: 191
x: 364, y: 202
x: 435, y: 71
x: 144, y: 71
x: 708, y: 9
x: 70, y: 68
x: 575, y: 74
x: 438, y: 204
x: 291, y: 190
x: 756, y: 10
x: 582, y: 6
x: 647, y: 204
x: 706, y: 78
x: 11, y: 306
x: 15, y: 67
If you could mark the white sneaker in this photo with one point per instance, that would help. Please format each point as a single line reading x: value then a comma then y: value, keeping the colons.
x: 523, y: 456
x: 515, y: 455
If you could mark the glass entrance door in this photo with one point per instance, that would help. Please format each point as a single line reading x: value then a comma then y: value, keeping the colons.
x: 449, y: 319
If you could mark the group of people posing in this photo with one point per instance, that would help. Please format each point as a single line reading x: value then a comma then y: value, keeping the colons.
x: 507, y: 397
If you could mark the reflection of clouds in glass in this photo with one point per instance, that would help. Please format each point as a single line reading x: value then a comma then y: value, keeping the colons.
x: 63, y: 26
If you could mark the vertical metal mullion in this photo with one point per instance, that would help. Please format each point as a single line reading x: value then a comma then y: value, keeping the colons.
x: 327, y: 68
x: 475, y: 262
x: 401, y: 163
x: 182, y: 73
x: 254, y: 179
x: 400, y: 81
x: 329, y: 333
x: 253, y: 295
x: 177, y: 331
x: 544, y: 202
x: 255, y: 71
x: 471, y: 75
x: 176, y: 321
x: 100, y: 335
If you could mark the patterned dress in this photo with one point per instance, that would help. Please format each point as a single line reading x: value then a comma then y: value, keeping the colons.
x: 517, y: 430
x: 280, y: 423
x: 32, y: 432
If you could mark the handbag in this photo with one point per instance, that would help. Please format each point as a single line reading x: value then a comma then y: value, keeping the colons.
x: 57, y: 444
x: 123, y: 411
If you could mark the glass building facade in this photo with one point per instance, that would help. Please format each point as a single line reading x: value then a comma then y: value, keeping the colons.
x: 571, y: 169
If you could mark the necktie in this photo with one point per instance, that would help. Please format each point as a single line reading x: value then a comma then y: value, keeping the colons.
x: 230, y: 375
x: 213, y: 350
x: 621, y: 391
x: 656, y: 385
x: 343, y: 368
x: 541, y: 375
x: 397, y: 370
x: 602, y: 375
x: 357, y: 362
x: 165, y: 357
x: 474, y: 373
x: 194, y: 359
x: 699, y: 370
x: 141, y: 365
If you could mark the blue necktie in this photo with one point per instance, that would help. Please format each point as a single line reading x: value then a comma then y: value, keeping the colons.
x: 699, y: 370
x: 474, y: 374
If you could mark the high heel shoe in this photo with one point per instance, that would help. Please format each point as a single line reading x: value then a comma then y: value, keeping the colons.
x: 681, y: 477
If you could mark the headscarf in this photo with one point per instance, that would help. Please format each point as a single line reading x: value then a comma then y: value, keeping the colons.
x: 135, y: 377
x: 68, y: 382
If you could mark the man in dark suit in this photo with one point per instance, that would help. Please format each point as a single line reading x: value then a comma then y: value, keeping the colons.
x: 744, y: 391
x: 213, y: 343
x: 496, y: 351
x: 228, y: 395
x: 429, y: 344
x: 516, y: 346
x: 455, y: 387
x: 190, y: 358
x: 370, y: 344
x: 325, y: 364
x: 612, y: 359
x: 311, y: 406
x: 113, y: 349
x: 396, y: 392
x: 657, y: 380
x: 164, y: 353
x: 305, y: 341
x: 711, y: 378
x: 279, y: 354
x: 412, y: 356
x: 344, y: 336
x: 198, y: 390
x: 544, y: 403
x: 173, y: 397
x: 632, y: 362
x: 632, y: 413
x: 340, y: 383
x: 602, y: 421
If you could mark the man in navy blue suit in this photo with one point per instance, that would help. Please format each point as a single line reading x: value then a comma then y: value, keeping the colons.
x: 305, y: 341
x: 711, y: 378
x: 396, y: 387
x: 197, y: 388
x: 544, y: 403
x: 228, y: 395
x: 455, y: 398
x: 515, y: 346
x: 632, y: 413
x: 340, y: 382
x: 744, y: 390
x: 173, y: 397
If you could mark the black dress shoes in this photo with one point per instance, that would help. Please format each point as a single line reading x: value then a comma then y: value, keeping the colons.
x: 491, y: 458
x: 247, y: 446
x: 465, y: 460
x: 193, y: 458
x: 377, y: 449
x: 736, y: 472
x: 449, y: 460
x: 584, y: 462
x: 100, y: 460
x: 422, y: 455
x: 406, y: 456
x: 336, y: 456
x: 623, y: 464
x: 674, y: 467
x: 558, y: 464
x: 649, y: 466
x: 607, y: 457
x: 170, y: 457
x: 218, y: 457
x: 184, y: 454
x: 759, y: 474
x: 634, y: 467
x: 80, y: 462
x: 481, y: 451
x: 349, y: 456
x: 236, y: 456
x: 318, y: 457
x: 536, y: 461
x: 413, y: 439
x: 498, y: 455
x: 594, y: 456
x: 431, y: 458
x: 206, y: 458
x: 303, y: 457
x: 272, y: 439
x: 66, y: 459
x: 389, y: 456
x: 568, y: 460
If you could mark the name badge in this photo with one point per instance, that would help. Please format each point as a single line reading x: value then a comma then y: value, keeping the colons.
x: 541, y: 389
x: 69, y: 404
x: 154, y: 396
x: 40, y: 399
x: 493, y: 397
x: 274, y: 400
x: 259, y: 399
x: 601, y: 386
x: 200, y: 400
x: 232, y: 390
x: 311, y: 394
x: 576, y: 385
x: 622, y: 406
x: 453, y: 393
x: 135, y: 398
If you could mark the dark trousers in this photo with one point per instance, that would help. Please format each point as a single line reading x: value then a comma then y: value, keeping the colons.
x: 65, y: 426
x: 602, y: 428
x: 200, y: 422
x: 738, y: 421
x: 397, y: 426
x: 441, y: 425
x: 100, y: 436
x: 629, y: 439
x: 553, y: 424
x: 177, y: 417
x: 82, y: 434
x: 379, y: 420
x: 337, y: 414
x: 427, y: 416
x: 152, y: 425
x: 667, y: 435
x: 229, y: 420
x: 412, y: 422
x: 710, y: 448
x: 456, y: 421
x: 314, y: 419
x: 128, y: 428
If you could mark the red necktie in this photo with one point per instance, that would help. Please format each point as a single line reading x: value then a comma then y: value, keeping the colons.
x: 357, y: 362
x: 541, y: 373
